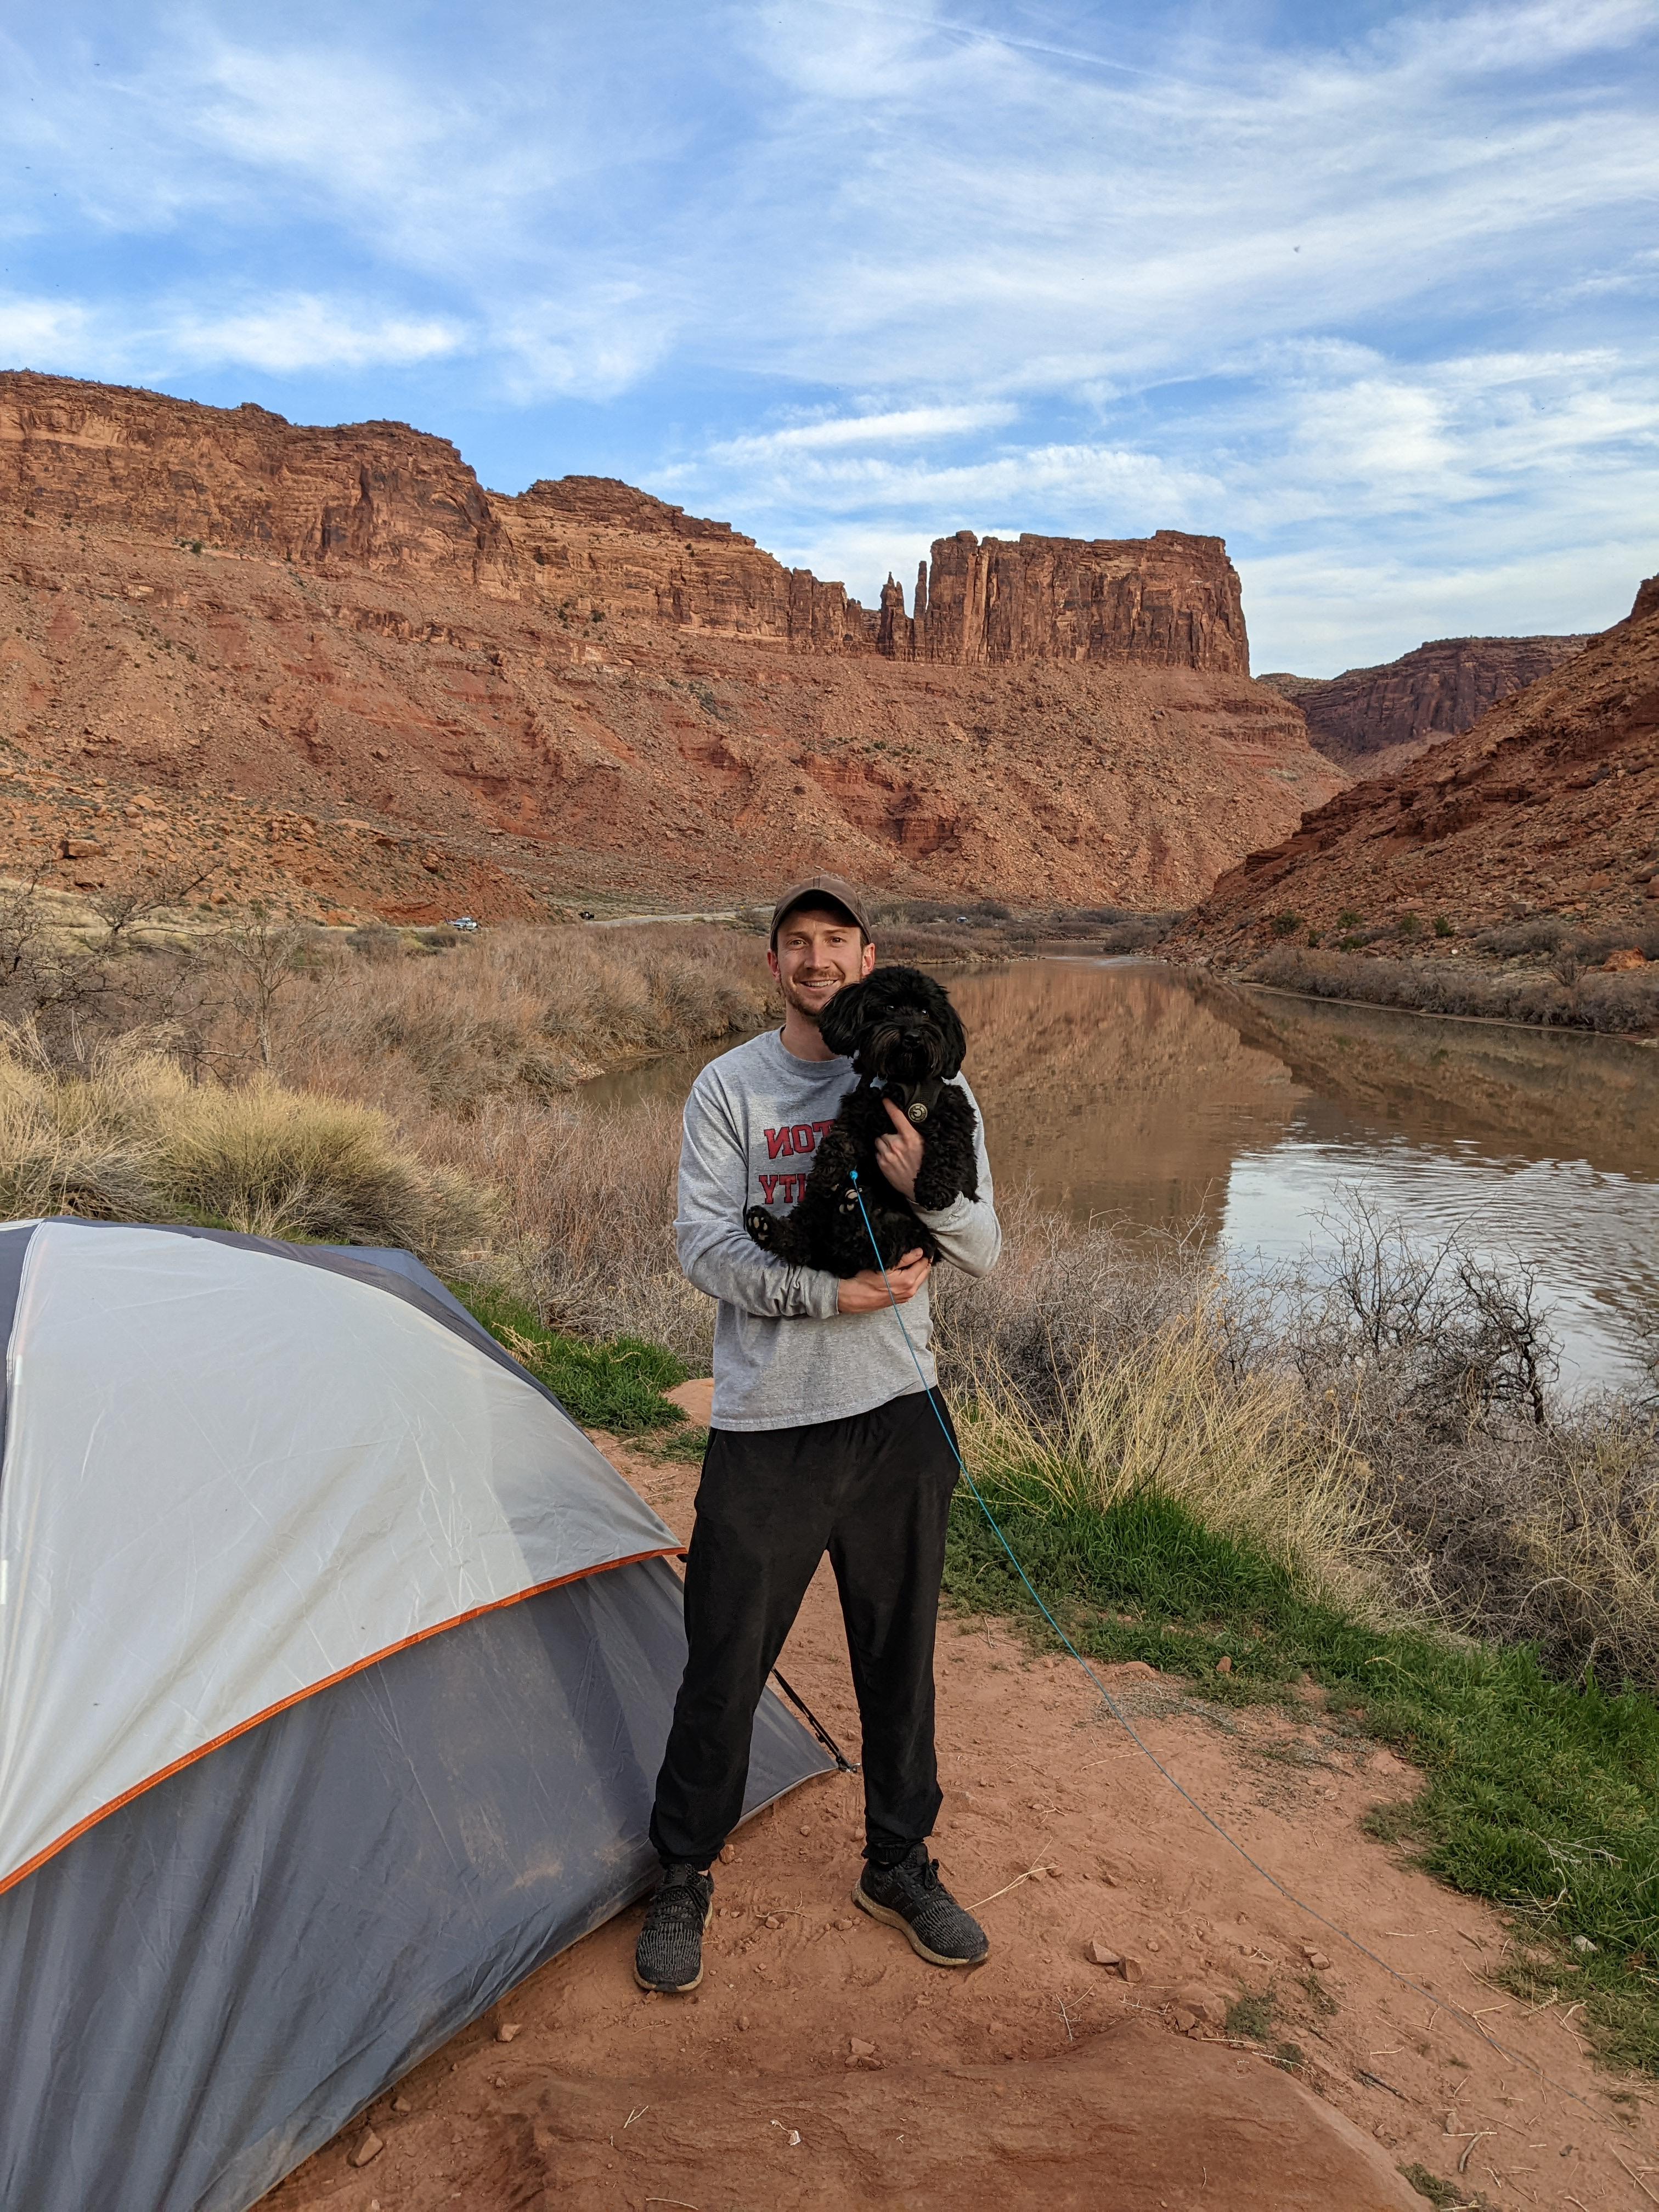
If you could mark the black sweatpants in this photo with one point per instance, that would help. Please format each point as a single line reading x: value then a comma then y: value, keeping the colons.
x: 874, y: 1491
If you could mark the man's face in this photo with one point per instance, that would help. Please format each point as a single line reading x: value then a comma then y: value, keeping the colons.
x: 817, y: 952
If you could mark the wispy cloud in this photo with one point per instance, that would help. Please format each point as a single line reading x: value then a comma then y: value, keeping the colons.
x: 853, y: 274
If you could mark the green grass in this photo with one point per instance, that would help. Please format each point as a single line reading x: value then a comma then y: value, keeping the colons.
x: 1539, y: 1795
x: 616, y: 1384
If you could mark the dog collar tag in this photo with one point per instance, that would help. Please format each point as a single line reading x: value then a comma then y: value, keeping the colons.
x: 917, y: 1112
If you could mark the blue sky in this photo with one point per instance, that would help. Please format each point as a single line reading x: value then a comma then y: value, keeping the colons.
x: 1369, y: 290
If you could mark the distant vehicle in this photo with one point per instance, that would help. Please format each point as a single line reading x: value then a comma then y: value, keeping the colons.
x: 461, y: 921
x: 588, y: 914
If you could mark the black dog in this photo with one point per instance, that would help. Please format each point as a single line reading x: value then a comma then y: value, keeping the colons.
x: 905, y: 1042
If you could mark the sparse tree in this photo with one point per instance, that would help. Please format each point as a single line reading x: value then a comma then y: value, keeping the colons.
x: 156, y: 888
x: 263, y: 954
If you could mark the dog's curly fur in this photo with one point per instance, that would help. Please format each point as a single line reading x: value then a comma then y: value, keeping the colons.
x: 906, y: 1043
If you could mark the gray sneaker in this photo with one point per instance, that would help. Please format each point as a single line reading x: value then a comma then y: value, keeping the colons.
x: 669, y: 1955
x: 911, y: 1896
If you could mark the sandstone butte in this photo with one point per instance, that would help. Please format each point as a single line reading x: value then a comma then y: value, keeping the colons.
x: 1549, y: 804
x: 1374, y: 719
x: 330, y: 665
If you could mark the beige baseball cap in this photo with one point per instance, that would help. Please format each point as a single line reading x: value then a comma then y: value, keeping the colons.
x: 822, y: 891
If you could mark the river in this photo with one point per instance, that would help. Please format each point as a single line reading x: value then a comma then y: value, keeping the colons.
x: 1129, y: 1091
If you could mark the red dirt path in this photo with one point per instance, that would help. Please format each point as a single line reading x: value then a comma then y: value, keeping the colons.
x: 1042, y: 2079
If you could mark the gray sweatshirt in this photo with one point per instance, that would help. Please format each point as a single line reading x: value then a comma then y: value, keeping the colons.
x: 783, y: 1356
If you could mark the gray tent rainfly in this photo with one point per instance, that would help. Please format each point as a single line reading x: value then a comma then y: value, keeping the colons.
x: 334, y: 1666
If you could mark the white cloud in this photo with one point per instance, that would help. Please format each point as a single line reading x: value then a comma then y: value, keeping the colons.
x: 39, y: 333
x: 305, y: 331
x: 897, y: 426
x: 1355, y: 299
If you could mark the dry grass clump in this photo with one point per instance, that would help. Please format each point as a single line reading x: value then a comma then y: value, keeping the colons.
x: 530, y: 1010
x: 1241, y: 1452
x: 586, y: 1233
x: 1384, y: 1422
x: 128, y: 1136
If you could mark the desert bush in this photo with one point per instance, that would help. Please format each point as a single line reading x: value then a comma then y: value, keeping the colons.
x: 1624, y: 1004
x: 127, y: 1135
x: 526, y: 1010
x: 1170, y: 1415
x: 586, y: 1232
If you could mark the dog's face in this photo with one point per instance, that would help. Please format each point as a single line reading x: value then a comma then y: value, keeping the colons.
x: 898, y: 1024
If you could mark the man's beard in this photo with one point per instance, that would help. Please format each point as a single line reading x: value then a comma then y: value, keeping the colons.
x: 809, y: 1011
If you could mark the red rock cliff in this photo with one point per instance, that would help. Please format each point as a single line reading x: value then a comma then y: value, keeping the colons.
x: 1549, y: 803
x: 1167, y: 601
x: 1438, y: 691
x: 384, y: 496
x: 330, y: 668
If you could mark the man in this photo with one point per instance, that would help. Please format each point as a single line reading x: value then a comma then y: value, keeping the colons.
x: 822, y: 1438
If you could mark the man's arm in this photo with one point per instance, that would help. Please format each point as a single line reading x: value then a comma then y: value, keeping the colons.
x: 717, y: 1252
x: 967, y: 1231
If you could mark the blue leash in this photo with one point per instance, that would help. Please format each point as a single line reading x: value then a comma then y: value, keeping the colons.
x: 1123, y: 1721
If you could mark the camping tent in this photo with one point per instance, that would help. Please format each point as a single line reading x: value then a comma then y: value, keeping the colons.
x: 336, y: 1665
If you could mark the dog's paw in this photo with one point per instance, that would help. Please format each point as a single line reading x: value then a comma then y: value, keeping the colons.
x: 762, y: 1226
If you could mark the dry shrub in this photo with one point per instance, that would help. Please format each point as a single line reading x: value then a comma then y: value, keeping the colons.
x: 586, y: 1235
x: 128, y: 1136
x: 1171, y: 1414
x: 530, y: 1010
x: 1622, y: 1004
x: 1591, y: 1534
x: 278, y: 1163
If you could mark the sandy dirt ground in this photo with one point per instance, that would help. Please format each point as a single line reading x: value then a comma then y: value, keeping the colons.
x: 822, y: 2064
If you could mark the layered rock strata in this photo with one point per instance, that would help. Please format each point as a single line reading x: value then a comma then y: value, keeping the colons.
x: 326, y: 666
x: 383, y: 497
x: 1440, y: 691
x: 1549, y: 804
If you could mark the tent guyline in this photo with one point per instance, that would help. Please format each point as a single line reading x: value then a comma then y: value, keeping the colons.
x: 1405, y: 1981
x: 846, y: 1766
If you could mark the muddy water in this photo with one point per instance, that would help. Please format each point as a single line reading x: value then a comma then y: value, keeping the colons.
x: 1125, y: 1090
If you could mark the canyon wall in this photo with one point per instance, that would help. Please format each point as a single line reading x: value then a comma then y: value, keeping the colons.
x: 325, y: 667
x: 382, y: 497
x: 1167, y: 601
x: 1549, y: 804
x: 1438, y: 691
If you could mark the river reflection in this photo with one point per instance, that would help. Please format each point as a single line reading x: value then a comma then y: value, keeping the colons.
x: 1127, y: 1090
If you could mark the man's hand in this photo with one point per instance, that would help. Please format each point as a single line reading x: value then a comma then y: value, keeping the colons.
x: 866, y: 1292
x: 898, y: 1154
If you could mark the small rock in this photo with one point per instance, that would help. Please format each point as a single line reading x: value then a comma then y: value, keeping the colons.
x: 773, y: 1920
x: 1038, y: 1874
x: 1184, y: 2019
x: 1103, y: 1955
x: 1131, y: 1970
x: 859, y: 2048
x: 1315, y: 1957
x: 1583, y: 1943
x: 368, y: 2146
x: 1152, y: 1943
x: 400, y: 2103
x: 506, y: 2033
x: 743, y: 2023
x: 1223, y: 1665
x: 1203, y: 2003
x: 726, y: 1854
x: 843, y: 1924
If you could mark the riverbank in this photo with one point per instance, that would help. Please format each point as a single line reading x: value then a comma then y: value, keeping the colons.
x: 1544, y: 974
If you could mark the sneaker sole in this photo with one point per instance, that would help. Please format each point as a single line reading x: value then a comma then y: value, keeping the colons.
x: 674, y: 1989
x: 889, y: 1919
